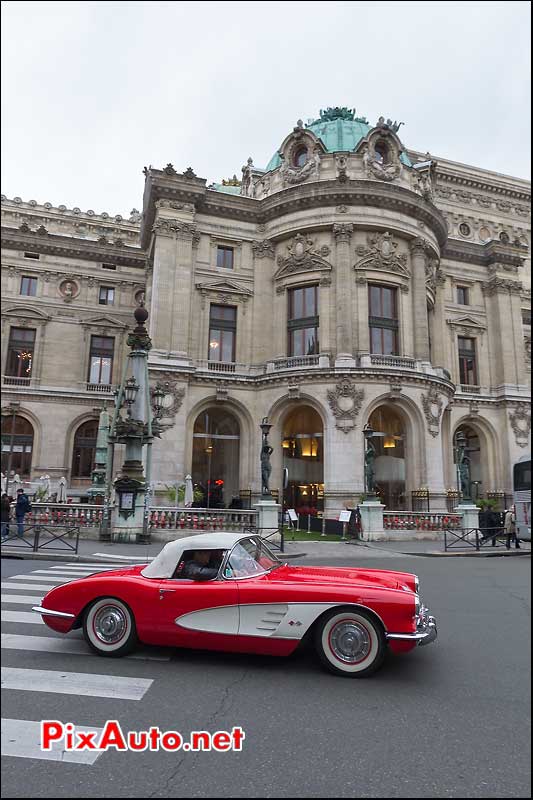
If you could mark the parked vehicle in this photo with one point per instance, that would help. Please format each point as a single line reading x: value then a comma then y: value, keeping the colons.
x: 242, y: 598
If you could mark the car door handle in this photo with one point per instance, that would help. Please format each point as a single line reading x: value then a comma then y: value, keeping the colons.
x: 161, y: 591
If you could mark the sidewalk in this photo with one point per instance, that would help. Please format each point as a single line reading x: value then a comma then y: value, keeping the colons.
x: 93, y: 551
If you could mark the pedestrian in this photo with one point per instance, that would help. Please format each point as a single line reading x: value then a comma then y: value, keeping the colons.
x: 22, y: 508
x: 510, y: 528
x: 5, y: 514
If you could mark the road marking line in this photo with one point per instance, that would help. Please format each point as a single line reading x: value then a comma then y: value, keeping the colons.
x: 84, y: 568
x: 76, y: 683
x: 51, y: 578
x: 35, y: 587
x: 27, y: 600
x: 21, y: 738
x: 139, y: 559
x: 27, y: 617
x: 49, y: 644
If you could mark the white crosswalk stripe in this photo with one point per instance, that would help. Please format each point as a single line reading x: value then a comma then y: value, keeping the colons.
x: 49, y: 644
x: 21, y: 738
x: 78, y: 683
x: 35, y: 587
x: 30, y: 577
x: 84, y: 568
x: 139, y: 559
x: 27, y: 600
x: 26, y: 617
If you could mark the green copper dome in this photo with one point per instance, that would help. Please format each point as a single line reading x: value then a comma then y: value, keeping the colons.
x: 339, y: 130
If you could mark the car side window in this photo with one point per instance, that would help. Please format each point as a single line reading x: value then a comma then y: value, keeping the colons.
x: 208, y: 561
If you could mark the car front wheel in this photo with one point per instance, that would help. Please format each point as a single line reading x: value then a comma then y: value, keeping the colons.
x: 109, y: 627
x: 350, y: 643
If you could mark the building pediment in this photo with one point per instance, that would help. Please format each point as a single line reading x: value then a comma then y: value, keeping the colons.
x: 25, y: 312
x: 104, y: 321
x: 381, y: 254
x: 224, y: 287
x: 303, y: 256
x: 467, y: 324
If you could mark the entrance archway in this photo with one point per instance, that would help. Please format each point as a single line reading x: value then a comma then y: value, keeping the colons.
x: 17, y: 446
x: 215, y: 457
x: 303, y: 454
x: 390, y: 463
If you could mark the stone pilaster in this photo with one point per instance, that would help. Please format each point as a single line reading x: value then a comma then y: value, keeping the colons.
x: 503, y: 303
x: 343, y: 235
x: 420, y: 314
x: 363, y: 330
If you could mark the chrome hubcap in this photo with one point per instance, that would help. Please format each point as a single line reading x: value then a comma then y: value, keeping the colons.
x: 350, y: 641
x: 110, y: 624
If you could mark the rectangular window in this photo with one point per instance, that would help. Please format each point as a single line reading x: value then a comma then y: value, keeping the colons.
x: 526, y: 316
x: 222, y: 333
x: 106, y: 296
x: 225, y: 257
x: 36, y: 256
x: 20, y: 353
x: 303, y: 324
x: 101, y: 359
x: 467, y: 361
x: 383, y: 320
x: 462, y: 296
x: 28, y: 286
x: 109, y: 266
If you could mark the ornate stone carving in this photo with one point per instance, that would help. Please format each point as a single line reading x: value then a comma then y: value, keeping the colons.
x: 264, y: 249
x: 343, y: 231
x: 69, y: 289
x: 342, y: 209
x: 167, y: 382
x: 362, y: 280
x: 174, y: 227
x: 169, y: 169
x: 24, y: 228
x: 345, y: 403
x: 302, y: 256
x: 381, y: 171
x: 41, y: 230
x: 135, y: 216
x: 294, y: 392
x: 496, y: 285
x: 189, y: 173
x: 520, y: 420
x: 164, y: 203
x: 294, y: 175
x: 423, y: 180
x: 527, y: 348
x: 222, y: 393
x: 433, y: 405
x: 341, y: 163
x: 381, y: 255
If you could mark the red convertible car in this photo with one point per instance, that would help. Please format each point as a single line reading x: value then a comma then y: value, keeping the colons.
x: 226, y: 591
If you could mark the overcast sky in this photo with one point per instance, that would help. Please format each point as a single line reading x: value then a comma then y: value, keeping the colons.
x: 93, y: 91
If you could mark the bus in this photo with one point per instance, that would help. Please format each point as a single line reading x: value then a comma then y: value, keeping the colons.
x: 522, y: 496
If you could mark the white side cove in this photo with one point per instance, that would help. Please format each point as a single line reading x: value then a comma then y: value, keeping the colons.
x: 277, y: 620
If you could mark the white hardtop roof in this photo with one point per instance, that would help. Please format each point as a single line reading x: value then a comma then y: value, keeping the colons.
x: 165, y: 563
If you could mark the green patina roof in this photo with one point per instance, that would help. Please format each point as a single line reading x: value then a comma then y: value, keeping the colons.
x: 220, y: 187
x: 339, y: 130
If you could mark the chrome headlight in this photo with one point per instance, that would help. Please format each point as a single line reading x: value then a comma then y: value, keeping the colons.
x: 417, y: 607
x: 417, y: 584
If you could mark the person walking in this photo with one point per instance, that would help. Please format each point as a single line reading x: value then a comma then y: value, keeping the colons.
x: 22, y: 508
x: 510, y: 528
x: 5, y: 514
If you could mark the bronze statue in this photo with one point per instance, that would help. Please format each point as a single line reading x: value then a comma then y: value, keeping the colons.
x: 266, y: 466
x: 370, y: 455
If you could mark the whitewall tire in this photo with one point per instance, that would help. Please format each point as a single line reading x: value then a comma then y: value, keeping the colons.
x: 350, y: 642
x: 109, y: 627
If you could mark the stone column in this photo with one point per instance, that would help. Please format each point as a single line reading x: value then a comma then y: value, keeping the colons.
x: 420, y: 313
x: 438, y: 338
x: 343, y: 235
x: 363, y: 330
x: 503, y: 303
x: 186, y: 242
x: 261, y: 344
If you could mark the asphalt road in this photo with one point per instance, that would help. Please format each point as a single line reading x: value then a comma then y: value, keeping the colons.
x: 448, y: 720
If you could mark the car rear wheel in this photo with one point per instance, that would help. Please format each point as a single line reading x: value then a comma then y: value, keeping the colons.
x: 350, y: 642
x: 109, y: 627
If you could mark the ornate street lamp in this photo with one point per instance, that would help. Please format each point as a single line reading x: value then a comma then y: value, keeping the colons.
x: 158, y: 396
x: 462, y: 466
x: 369, y: 455
x: 266, y: 452
x: 130, y: 392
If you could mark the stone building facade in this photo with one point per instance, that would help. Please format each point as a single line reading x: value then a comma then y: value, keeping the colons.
x: 350, y: 281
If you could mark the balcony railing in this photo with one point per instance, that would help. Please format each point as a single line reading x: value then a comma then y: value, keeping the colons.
x: 470, y: 388
x: 12, y: 380
x: 420, y: 521
x: 403, y: 362
x: 100, y: 388
x: 294, y: 362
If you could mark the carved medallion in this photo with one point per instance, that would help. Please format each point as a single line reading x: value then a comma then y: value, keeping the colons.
x: 520, y: 420
x: 433, y: 405
x: 302, y: 257
x: 167, y: 382
x: 381, y: 255
x: 345, y: 403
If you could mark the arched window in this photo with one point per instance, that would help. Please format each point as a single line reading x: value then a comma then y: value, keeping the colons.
x: 388, y: 442
x: 17, y: 446
x: 215, y: 457
x: 84, y: 450
x: 303, y: 455
x: 381, y: 153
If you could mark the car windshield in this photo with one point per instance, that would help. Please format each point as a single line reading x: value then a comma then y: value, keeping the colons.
x: 250, y: 557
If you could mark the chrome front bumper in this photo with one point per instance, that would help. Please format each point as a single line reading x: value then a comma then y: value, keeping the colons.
x: 49, y: 613
x: 426, y: 629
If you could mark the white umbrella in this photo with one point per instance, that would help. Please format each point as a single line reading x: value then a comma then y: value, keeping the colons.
x: 189, y: 492
x: 62, y: 490
x: 17, y: 484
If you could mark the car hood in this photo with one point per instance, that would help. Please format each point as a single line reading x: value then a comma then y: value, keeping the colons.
x: 343, y: 576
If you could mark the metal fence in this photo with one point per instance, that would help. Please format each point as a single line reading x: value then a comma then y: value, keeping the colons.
x: 37, y: 536
x: 420, y: 521
x: 476, y: 539
x: 201, y: 519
